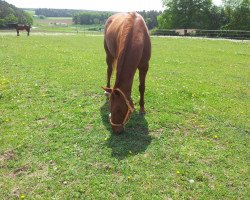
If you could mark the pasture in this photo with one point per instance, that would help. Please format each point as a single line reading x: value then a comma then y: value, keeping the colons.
x: 56, y: 141
x: 64, y: 25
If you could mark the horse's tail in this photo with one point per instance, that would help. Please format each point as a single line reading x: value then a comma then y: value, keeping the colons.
x: 126, y: 36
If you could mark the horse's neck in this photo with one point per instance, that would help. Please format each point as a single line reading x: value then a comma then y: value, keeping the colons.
x: 125, y: 83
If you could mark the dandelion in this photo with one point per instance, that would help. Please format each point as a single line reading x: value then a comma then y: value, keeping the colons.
x: 191, y: 181
x: 65, y: 182
x: 215, y: 136
x: 129, y: 177
x: 22, y: 196
x: 178, y: 172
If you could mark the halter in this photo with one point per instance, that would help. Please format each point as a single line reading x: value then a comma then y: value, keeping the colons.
x: 130, y: 109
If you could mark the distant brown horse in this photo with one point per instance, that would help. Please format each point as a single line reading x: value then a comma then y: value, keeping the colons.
x: 128, y: 47
x: 22, y: 27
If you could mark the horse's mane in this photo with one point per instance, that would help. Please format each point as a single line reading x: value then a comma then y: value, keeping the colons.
x: 126, y: 36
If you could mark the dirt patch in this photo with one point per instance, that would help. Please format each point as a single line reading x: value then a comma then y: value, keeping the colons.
x: 16, y: 192
x: 101, y: 166
x: 41, y: 119
x: 20, y: 170
x: 157, y: 133
x: 40, y: 173
x: 89, y: 127
x: 7, y: 155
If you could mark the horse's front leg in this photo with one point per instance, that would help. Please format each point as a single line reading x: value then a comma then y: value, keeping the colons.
x: 109, y: 61
x: 142, y: 76
x: 17, y: 32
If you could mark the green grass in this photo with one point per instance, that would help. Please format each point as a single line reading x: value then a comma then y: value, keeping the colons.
x: 56, y: 142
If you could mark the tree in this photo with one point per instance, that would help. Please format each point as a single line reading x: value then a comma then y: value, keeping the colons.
x: 150, y: 18
x: 238, y: 14
x: 217, y: 18
x: 165, y: 20
x: 187, y: 13
x: 11, y: 14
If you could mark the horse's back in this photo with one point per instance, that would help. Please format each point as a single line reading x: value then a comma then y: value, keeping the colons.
x: 123, y: 28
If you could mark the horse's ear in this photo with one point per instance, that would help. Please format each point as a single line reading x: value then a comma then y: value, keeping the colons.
x: 109, y: 90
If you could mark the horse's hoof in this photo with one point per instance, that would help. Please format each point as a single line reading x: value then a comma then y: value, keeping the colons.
x: 107, y: 94
x: 142, y: 112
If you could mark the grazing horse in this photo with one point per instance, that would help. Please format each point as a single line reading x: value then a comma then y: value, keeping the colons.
x: 22, y: 27
x: 128, y: 48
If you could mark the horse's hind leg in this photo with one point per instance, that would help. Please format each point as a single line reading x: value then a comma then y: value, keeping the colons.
x: 17, y: 32
x: 143, y: 69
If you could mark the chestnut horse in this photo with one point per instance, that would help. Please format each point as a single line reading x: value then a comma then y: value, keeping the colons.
x: 128, y: 48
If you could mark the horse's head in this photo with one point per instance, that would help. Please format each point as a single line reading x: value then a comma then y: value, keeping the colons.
x: 120, y: 107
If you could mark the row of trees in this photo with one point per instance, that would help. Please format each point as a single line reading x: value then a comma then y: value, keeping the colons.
x: 100, y: 18
x: 91, y: 17
x: 203, y: 14
x: 10, y: 14
x: 50, y: 12
x: 178, y: 14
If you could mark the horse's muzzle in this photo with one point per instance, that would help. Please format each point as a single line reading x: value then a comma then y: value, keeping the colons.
x: 118, y: 129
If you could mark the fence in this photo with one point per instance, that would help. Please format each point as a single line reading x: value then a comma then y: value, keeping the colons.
x: 230, y: 34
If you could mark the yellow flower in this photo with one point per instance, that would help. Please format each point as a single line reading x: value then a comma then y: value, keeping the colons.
x: 22, y: 196
x: 129, y: 177
x: 178, y: 172
x: 215, y: 136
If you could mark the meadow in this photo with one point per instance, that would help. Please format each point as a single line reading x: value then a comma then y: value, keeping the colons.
x: 56, y: 141
x: 64, y: 25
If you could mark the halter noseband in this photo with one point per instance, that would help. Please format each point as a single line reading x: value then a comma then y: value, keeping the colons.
x: 130, y: 109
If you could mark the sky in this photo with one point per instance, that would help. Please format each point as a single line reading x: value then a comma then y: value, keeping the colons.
x: 100, y: 5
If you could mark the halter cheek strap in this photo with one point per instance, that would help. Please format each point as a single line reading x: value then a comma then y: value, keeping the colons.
x: 130, y: 109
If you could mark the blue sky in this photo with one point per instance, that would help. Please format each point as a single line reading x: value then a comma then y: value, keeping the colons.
x: 104, y: 5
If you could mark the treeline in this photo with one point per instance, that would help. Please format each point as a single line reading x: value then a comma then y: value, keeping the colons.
x: 48, y: 12
x: 91, y: 17
x: 94, y: 17
x: 203, y: 14
x: 100, y: 18
x: 9, y: 14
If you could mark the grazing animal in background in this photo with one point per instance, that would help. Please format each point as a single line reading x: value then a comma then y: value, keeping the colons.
x: 22, y: 27
x: 128, y: 48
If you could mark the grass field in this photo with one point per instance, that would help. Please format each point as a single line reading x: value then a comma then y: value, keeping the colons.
x: 56, y: 141
x: 64, y: 25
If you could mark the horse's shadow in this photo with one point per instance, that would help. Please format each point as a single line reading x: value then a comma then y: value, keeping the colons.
x: 134, y: 140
